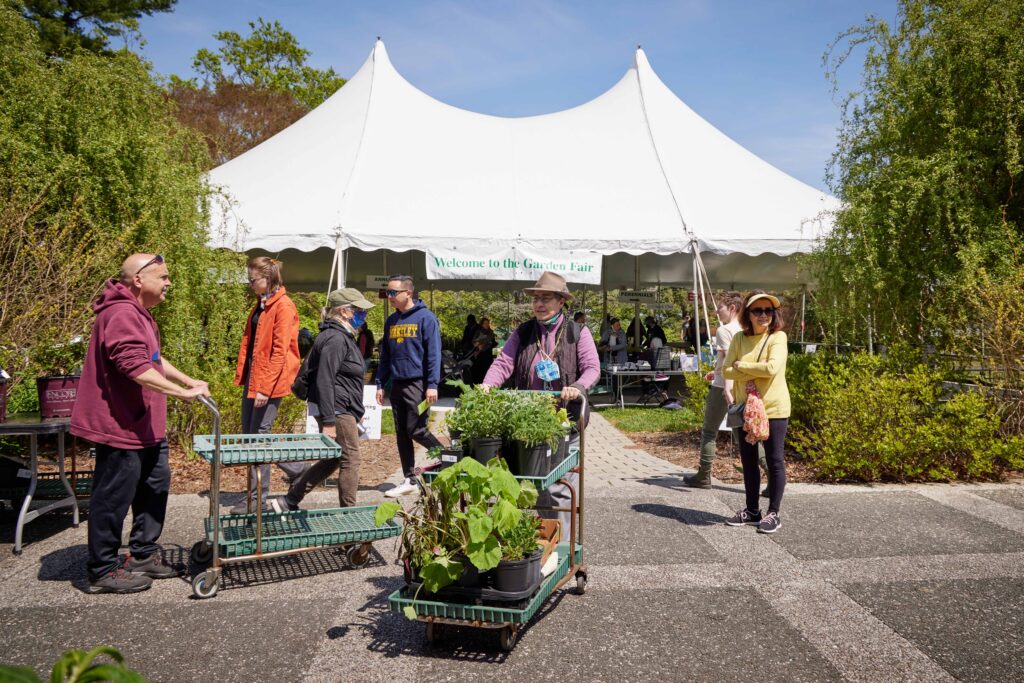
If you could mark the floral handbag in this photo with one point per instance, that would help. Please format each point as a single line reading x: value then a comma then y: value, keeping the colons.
x: 755, y: 419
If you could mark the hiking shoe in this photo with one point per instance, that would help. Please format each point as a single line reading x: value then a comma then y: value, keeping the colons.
x: 280, y: 504
x: 153, y: 566
x: 407, y: 486
x: 770, y: 524
x: 119, y: 581
x: 744, y: 517
x: 241, y: 508
x: 701, y: 479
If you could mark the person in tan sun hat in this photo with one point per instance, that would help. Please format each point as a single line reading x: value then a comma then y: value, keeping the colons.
x: 550, y: 352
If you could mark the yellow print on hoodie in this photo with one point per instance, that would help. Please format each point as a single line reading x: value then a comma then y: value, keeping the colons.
x: 399, y: 333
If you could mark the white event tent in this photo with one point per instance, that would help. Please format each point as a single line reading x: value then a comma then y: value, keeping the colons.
x: 380, y: 173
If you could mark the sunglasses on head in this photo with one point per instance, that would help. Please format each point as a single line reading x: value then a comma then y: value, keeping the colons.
x: 158, y: 259
x: 762, y: 311
x: 394, y: 292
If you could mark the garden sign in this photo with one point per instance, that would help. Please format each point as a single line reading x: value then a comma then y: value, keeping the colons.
x: 513, y: 263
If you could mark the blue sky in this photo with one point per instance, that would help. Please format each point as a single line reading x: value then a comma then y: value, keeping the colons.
x: 750, y: 67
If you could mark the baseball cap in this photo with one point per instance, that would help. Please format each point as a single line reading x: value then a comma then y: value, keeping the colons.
x: 349, y: 296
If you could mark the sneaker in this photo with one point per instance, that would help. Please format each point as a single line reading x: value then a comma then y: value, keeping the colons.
x: 407, y: 486
x: 240, y: 508
x: 153, y: 566
x: 744, y: 517
x: 281, y: 504
x: 770, y: 524
x: 119, y: 581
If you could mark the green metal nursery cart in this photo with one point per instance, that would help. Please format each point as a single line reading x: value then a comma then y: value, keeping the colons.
x: 263, y: 535
x: 510, y: 618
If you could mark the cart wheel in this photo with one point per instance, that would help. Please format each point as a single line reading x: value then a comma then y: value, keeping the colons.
x: 581, y: 584
x: 434, y: 632
x: 509, y: 635
x: 205, y: 585
x: 358, y: 555
x: 201, y: 553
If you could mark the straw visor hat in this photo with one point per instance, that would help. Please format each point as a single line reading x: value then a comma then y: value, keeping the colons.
x: 755, y: 297
x: 550, y: 282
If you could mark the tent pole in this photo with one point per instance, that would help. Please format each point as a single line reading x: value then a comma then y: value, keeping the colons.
x: 636, y: 304
x: 803, y: 313
x: 696, y: 306
x: 334, y: 266
x: 387, y: 301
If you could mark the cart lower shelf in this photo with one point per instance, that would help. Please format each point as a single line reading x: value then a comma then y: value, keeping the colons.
x: 486, y: 616
x: 50, y: 487
x: 299, y: 529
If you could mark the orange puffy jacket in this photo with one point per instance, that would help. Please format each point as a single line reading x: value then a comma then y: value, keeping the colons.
x: 275, y: 354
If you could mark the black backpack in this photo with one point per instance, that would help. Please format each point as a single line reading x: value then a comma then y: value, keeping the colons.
x: 300, y: 387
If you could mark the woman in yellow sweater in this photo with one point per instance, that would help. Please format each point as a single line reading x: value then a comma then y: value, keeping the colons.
x: 758, y: 354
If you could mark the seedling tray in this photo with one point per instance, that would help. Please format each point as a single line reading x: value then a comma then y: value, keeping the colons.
x: 251, y: 449
x: 299, y: 529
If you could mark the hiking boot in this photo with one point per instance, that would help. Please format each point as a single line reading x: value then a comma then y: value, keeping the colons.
x: 407, y: 486
x: 770, y: 524
x: 701, y: 479
x: 744, y: 517
x: 119, y: 581
x: 153, y: 566
x: 281, y: 504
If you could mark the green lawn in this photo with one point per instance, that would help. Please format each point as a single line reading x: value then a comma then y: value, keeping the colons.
x: 651, y: 419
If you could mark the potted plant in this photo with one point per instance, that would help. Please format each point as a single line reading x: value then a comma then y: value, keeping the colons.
x: 480, y: 418
x: 459, y: 520
x: 58, y: 386
x: 519, y: 568
x: 538, y: 427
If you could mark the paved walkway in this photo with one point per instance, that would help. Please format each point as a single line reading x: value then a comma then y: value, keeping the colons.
x: 884, y: 583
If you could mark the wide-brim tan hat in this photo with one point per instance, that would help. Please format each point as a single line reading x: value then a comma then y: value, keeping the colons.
x: 755, y: 297
x: 550, y: 282
x: 349, y: 296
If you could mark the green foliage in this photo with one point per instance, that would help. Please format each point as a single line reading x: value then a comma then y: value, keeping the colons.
x: 481, y: 414
x: 697, y: 389
x: 651, y: 419
x: 868, y: 418
x: 521, y: 541
x: 269, y: 58
x: 78, y: 666
x: 66, y: 25
x: 535, y: 418
x: 929, y: 166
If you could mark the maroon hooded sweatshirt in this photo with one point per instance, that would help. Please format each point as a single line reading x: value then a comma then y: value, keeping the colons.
x: 111, y: 408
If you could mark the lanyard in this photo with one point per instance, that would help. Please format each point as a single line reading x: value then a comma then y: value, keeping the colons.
x: 540, y: 340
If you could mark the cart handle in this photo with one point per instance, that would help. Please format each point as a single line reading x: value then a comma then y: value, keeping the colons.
x: 210, y: 404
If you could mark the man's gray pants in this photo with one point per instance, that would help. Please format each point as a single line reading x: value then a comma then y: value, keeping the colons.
x: 715, y: 408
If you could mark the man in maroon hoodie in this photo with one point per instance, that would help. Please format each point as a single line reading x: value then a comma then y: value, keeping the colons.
x: 122, y: 408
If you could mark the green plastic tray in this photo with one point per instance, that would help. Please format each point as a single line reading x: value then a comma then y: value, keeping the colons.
x: 542, y: 483
x: 49, y: 487
x: 249, y: 449
x: 403, y: 597
x: 299, y: 529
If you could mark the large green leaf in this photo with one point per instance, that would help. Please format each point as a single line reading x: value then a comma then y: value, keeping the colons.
x: 480, y: 525
x: 503, y: 484
x: 440, y: 572
x: 527, y: 495
x: 506, y: 516
x: 410, y: 612
x: 18, y: 674
x: 486, y: 555
x: 385, y: 511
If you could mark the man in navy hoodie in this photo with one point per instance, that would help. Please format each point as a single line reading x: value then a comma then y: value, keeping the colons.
x: 122, y: 408
x: 410, y: 357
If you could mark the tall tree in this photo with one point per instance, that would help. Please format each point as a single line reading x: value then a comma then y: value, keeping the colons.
x: 929, y: 165
x: 64, y: 25
x: 250, y: 88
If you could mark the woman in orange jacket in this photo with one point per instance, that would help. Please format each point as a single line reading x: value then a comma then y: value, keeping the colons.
x: 268, y: 361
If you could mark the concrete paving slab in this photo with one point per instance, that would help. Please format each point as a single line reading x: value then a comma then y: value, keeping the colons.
x: 973, y: 628
x: 652, y: 532
x: 686, y: 635
x: 1011, y: 496
x: 834, y: 526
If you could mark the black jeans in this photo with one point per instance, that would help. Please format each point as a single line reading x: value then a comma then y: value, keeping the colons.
x: 410, y: 425
x: 140, y: 479
x: 775, y: 457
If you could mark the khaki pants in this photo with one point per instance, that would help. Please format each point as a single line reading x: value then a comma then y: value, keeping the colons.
x: 347, y: 466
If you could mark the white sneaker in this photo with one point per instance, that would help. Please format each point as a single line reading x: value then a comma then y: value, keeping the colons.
x: 407, y: 486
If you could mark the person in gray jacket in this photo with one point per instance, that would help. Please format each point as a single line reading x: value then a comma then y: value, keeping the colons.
x: 335, y: 371
x: 613, y: 343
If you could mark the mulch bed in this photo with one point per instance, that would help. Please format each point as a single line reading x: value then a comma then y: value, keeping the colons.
x: 683, y: 449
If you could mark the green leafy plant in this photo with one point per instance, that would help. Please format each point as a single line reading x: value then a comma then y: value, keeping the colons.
x: 521, y: 540
x: 480, y: 414
x: 535, y: 418
x: 78, y: 666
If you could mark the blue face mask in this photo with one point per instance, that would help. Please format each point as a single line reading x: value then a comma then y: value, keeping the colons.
x: 358, y: 319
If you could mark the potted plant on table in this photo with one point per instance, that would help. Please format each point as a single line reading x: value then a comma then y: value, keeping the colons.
x: 58, y: 385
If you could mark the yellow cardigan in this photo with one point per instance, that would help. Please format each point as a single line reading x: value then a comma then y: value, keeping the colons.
x: 769, y: 375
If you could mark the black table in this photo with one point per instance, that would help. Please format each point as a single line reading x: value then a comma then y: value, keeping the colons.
x: 620, y: 379
x: 30, y: 425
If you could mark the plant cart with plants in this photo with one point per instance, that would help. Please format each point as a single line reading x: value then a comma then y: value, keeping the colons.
x: 471, y: 547
x: 263, y: 535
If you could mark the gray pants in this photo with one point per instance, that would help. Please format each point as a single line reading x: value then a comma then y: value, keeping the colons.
x: 559, y: 496
x: 261, y: 421
x: 715, y: 407
x: 347, y: 464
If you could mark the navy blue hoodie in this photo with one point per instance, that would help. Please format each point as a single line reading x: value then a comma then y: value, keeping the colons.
x: 411, y: 347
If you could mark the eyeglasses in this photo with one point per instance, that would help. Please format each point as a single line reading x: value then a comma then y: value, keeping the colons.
x: 762, y: 311
x: 254, y: 280
x: 158, y: 259
x: 545, y: 299
x: 395, y: 292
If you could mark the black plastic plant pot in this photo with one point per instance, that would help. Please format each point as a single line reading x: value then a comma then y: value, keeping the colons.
x: 450, y: 456
x: 563, y: 451
x: 531, y: 461
x: 513, y: 576
x: 485, y: 449
x: 471, y: 576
